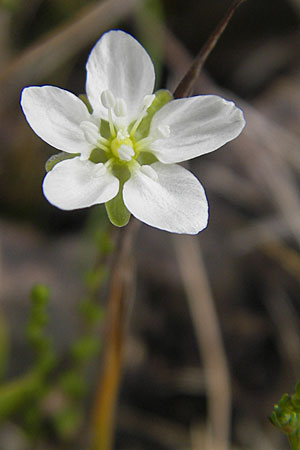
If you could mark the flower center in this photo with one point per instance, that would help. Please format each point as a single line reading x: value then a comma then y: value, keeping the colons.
x: 123, y: 149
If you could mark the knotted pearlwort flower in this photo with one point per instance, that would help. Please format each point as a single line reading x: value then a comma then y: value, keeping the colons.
x: 121, y: 146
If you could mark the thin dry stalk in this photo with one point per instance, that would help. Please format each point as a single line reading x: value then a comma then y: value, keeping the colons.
x: 265, y: 150
x: 285, y: 318
x: 119, y: 293
x: 262, y: 232
x: 209, y: 338
x: 187, y: 83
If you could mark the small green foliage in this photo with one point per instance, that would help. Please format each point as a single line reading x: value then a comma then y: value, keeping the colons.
x: 58, y: 157
x: 93, y: 278
x: 286, y: 417
x: 91, y: 312
x: 85, y: 348
x: 16, y: 394
x: 28, y: 398
x: 67, y: 422
x: 72, y: 384
x: 35, y: 332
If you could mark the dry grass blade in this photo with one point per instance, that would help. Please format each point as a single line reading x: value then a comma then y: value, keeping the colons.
x: 186, y: 84
x: 60, y: 46
x: 209, y: 338
x: 262, y: 232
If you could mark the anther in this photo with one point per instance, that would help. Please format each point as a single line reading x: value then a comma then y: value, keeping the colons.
x: 120, y: 108
x: 108, y: 99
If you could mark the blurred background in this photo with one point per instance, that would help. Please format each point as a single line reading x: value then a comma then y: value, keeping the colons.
x: 214, y: 332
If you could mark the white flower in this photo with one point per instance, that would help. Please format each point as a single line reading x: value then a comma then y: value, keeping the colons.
x: 124, y: 149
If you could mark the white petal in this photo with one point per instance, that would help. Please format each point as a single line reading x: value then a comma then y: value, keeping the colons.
x: 197, y: 125
x: 174, y: 202
x: 55, y: 116
x: 74, y: 184
x: 119, y: 63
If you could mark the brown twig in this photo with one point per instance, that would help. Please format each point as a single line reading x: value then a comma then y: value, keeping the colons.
x: 185, y: 86
x: 117, y: 303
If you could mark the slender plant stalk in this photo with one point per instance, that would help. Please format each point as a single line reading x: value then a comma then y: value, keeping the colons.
x: 185, y: 86
x: 108, y: 385
x: 294, y: 441
x: 118, y: 301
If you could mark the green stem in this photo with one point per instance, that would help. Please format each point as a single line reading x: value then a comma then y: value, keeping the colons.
x: 294, y: 441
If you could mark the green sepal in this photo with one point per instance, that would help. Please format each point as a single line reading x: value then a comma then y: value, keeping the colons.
x: 84, y: 99
x: 54, y: 159
x: 104, y: 129
x: 162, y: 97
x: 98, y: 156
x: 146, y: 158
x: 117, y: 212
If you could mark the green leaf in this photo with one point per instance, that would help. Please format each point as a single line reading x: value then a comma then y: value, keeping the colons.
x: 162, y: 97
x: 15, y: 394
x: 54, y: 159
x: 116, y: 210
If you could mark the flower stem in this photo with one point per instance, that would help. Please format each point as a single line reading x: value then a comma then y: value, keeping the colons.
x: 119, y: 291
x: 185, y: 86
x: 294, y: 441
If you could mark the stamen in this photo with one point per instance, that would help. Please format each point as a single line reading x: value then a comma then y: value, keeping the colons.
x: 125, y: 152
x: 137, y: 123
x: 107, y: 99
x: 120, y: 108
x: 111, y: 124
x: 147, y: 101
x: 93, y: 137
x: 161, y: 132
x: 143, y: 143
x: 149, y: 172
